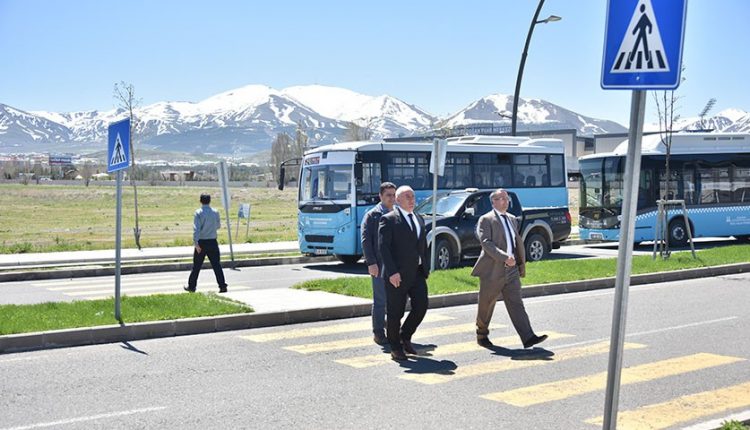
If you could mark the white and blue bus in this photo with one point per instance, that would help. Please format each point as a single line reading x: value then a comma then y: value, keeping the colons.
x: 710, y: 171
x: 339, y: 183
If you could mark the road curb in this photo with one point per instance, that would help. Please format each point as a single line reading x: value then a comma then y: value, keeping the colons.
x: 188, y: 326
x: 151, y: 268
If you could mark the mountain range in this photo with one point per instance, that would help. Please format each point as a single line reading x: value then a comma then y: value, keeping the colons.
x: 246, y: 120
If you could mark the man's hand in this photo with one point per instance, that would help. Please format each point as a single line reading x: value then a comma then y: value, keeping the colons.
x: 395, y: 279
x: 510, y: 262
x: 373, y: 270
x: 198, y: 249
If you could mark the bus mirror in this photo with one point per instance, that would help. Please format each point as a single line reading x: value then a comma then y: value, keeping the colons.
x: 282, y: 174
x: 358, y: 173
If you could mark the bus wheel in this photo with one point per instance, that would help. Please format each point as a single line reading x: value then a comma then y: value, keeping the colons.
x: 348, y: 259
x: 536, y: 247
x: 443, y: 255
x: 678, y: 235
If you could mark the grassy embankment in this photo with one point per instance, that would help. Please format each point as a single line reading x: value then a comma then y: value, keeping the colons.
x: 158, y: 307
x: 48, y: 218
x: 545, y: 272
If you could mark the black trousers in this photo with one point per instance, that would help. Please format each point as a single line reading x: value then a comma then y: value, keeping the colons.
x: 210, y: 248
x: 396, y: 307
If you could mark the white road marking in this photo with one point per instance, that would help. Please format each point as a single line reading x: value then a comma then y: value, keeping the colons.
x: 88, y: 418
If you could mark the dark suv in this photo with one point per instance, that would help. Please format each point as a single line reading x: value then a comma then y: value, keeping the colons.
x: 458, y: 213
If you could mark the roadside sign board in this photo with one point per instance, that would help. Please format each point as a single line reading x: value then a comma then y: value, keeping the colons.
x: 60, y: 160
x: 439, y: 150
x: 118, y: 146
x: 643, y: 44
x: 244, y: 211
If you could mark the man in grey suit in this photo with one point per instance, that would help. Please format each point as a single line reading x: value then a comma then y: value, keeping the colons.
x: 500, y: 267
x: 370, y: 225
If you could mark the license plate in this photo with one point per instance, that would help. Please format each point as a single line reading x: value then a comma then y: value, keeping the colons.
x: 321, y: 251
x: 596, y: 236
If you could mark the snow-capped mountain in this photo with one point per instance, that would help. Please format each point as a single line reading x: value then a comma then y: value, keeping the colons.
x: 246, y: 120
x: 728, y: 120
x: 532, y: 114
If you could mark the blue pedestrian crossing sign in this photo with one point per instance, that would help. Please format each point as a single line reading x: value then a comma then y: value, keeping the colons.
x: 118, y: 146
x: 643, y: 44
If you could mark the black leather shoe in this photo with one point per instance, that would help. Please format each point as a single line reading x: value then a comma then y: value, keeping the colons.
x: 380, y: 339
x: 408, y: 347
x: 398, y: 355
x: 533, y: 340
x: 188, y: 289
x: 484, y: 342
x: 223, y: 289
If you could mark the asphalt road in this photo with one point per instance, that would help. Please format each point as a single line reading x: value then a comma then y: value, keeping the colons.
x: 686, y: 361
x: 246, y: 278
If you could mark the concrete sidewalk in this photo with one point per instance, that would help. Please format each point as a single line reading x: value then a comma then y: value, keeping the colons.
x: 9, y: 261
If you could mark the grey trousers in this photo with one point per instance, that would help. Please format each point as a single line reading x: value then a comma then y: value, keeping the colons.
x: 509, y: 288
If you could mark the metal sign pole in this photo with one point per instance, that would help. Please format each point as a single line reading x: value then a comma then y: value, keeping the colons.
x: 624, y: 258
x: 223, y: 182
x: 118, y: 245
x: 435, y: 168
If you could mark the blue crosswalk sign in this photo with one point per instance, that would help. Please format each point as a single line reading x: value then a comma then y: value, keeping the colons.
x: 118, y: 146
x: 643, y: 44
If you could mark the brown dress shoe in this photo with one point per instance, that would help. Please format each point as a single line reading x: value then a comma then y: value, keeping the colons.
x: 398, y: 355
x: 408, y: 347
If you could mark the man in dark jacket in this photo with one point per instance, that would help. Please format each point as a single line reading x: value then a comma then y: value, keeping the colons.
x: 370, y: 224
x: 403, y: 248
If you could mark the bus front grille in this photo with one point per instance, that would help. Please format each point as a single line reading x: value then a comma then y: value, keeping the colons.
x: 318, y: 238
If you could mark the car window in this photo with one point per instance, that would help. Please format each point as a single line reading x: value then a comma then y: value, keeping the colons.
x: 482, y: 205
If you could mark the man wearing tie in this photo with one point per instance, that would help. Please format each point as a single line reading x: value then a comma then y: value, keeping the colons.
x: 500, y: 267
x: 403, y: 248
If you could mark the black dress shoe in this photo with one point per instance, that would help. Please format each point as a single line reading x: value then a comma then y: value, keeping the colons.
x: 380, y: 338
x: 398, y: 355
x: 223, y: 289
x: 533, y: 340
x: 188, y: 289
x: 484, y: 342
x: 408, y: 347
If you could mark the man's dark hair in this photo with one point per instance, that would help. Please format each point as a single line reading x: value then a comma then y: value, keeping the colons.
x: 205, y: 198
x: 386, y: 185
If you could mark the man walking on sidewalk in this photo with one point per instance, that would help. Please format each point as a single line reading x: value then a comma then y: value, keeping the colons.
x: 370, y: 224
x: 205, y: 224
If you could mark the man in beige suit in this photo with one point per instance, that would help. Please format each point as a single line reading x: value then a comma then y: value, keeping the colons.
x: 500, y: 267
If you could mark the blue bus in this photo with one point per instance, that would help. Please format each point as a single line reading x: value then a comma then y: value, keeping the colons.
x: 710, y: 171
x: 339, y: 183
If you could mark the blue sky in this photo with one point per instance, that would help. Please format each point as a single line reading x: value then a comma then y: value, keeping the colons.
x: 440, y: 55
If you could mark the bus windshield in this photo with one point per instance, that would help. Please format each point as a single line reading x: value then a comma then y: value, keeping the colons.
x: 326, y: 182
x: 601, y: 183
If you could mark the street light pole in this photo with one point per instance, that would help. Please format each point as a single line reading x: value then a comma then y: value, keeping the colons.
x: 534, y: 21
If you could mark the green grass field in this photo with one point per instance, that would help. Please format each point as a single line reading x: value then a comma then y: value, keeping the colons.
x: 545, y: 272
x: 84, y: 313
x: 44, y: 218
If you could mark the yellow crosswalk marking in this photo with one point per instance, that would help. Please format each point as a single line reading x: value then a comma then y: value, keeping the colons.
x: 338, y: 345
x: 330, y: 329
x: 559, y: 390
x: 503, y: 365
x: 440, y: 350
x: 683, y: 409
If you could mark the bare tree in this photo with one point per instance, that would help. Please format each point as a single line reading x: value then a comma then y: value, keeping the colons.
x: 126, y: 100
x: 281, y: 150
x: 356, y: 132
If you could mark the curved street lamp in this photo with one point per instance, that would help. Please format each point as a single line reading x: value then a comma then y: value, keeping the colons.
x: 534, y: 22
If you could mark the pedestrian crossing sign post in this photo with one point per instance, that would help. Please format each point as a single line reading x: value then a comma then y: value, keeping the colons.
x: 118, y: 158
x: 118, y: 146
x: 643, y: 44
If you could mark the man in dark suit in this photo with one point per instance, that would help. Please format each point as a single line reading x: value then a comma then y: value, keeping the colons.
x: 500, y: 267
x: 403, y: 248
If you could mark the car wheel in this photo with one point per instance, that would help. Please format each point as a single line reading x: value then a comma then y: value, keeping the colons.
x: 348, y: 259
x: 536, y: 247
x: 678, y: 235
x: 443, y: 255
